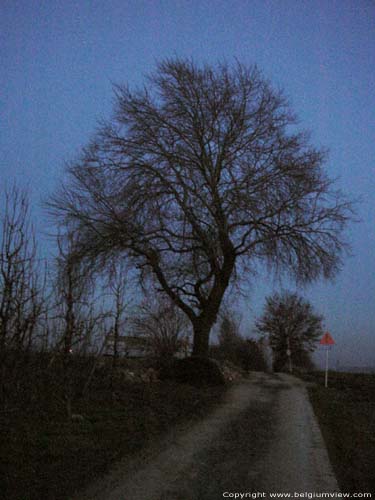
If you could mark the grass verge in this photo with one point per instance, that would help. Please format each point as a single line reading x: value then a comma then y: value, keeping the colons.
x: 346, y: 414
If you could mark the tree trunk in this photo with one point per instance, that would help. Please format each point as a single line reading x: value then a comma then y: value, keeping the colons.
x: 115, y: 352
x: 202, y: 324
x: 201, y: 338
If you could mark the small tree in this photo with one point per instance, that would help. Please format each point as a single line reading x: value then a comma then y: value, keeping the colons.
x: 72, y: 290
x: 229, y: 332
x: 243, y: 352
x: 199, y: 174
x: 22, y: 288
x: 253, y: 356
x: 75, y: 311
x: 117, y: 287
x: 163, y: 326
x: 292, y: 328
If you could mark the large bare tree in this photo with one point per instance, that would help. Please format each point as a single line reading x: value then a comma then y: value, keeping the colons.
x: 198, y: 175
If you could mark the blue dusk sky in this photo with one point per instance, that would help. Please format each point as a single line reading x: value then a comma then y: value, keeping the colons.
x: 59, y: 60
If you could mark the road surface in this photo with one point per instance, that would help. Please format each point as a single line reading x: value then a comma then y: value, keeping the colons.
x: 263, y: 439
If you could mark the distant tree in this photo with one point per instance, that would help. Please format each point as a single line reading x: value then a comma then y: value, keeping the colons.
x: 292, y: 328
x: 254, y: 357
x: 163, y: 326
x: 22, y: 287
x: 77, y: 315
x: 229, y: 332
x: 303, y: 360
x: 199, y: 176
x: 72, y: 289
x: 22, y: 280
x: 245, y: 353
x: 117, y: 287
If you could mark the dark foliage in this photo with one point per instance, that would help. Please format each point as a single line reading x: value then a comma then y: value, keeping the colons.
x: 245, y: 353
x: 195, y: 371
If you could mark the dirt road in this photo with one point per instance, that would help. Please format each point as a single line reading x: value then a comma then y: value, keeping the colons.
x: 263, y: 439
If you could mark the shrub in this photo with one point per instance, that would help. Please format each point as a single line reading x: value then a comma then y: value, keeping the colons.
x: 245, y: 353
x: 195, y: 371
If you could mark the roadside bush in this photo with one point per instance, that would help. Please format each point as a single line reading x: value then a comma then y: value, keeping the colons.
x: 196, y: 371
x: 244, y: 353
x: 301, y: 361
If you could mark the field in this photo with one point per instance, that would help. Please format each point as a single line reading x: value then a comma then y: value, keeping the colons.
x: 45, y: 456
x: 346, y: 414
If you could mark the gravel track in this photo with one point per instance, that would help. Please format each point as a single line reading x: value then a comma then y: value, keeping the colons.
x: 262, y: 438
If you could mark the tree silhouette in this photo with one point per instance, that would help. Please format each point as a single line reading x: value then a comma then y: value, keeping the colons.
x: 292, y: 327
x: 199, y: 176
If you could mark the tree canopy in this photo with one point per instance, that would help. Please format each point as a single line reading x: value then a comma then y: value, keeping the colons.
x: 197, y: 177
